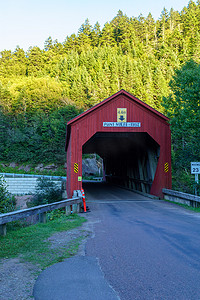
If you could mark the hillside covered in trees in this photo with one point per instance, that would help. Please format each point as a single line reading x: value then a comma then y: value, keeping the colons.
x: 43, y: 88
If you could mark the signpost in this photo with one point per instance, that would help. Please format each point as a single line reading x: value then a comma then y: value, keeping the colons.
x: 195, y: 169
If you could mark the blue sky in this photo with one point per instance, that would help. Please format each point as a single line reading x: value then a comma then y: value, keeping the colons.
x: 30, y: 22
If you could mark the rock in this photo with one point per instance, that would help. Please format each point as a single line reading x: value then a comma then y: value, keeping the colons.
x: 89, y: 166
x: 13, y: 165
x: 21, y: 201
x: 51, y: 167
x: 4, y: 165
x: 25, y: 168
x: 39, y: 167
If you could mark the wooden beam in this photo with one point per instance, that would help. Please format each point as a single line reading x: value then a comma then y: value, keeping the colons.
x: 141, y: 175
x: 152, y: 163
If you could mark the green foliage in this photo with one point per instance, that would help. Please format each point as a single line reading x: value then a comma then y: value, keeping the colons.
x: 7, y: 202
x: 137, y: 54
x: 41, y: 90
x: 46, y: 192
x: 56, y: 213
x: 183, y: 107
x: 60, y: 170
x: 182, y: 180
x: 35, y: 138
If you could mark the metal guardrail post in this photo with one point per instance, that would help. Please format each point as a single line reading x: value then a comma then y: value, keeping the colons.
x: 78, y: 207
x: 68, y: 210
x: 3, y: 229
x: 43, y: 217
x: 74, y: 208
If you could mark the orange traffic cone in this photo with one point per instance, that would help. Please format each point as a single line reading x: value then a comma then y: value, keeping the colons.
x: 83, y: 197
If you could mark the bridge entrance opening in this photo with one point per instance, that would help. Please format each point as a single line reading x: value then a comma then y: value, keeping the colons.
x: 133, y: 139
x: 129, y: 158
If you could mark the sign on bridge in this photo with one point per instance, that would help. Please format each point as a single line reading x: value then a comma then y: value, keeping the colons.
x: 121, y: 124
x: 121, y: 114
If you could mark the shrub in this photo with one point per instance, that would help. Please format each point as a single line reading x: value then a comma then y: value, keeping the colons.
x: 56, y: 213
x: 7, y: 202
x: 46, y: 192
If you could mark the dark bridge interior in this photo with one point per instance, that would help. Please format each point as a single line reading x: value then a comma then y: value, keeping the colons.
x: 130, y: 159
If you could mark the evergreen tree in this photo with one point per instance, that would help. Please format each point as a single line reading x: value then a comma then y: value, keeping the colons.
x: 183, y: 107
x: 95, y: 35
x: 48, y: 45
x: 138, y: 54
x: 35, y: 62
x: 84, y: 36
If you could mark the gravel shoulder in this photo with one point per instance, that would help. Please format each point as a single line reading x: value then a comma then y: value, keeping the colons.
x: 18, y: 277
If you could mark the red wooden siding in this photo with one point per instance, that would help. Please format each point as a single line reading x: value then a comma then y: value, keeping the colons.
x: 83, y: 127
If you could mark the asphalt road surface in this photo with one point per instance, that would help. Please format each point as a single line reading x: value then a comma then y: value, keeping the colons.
x: 141, y: 248
x: 147, y: 249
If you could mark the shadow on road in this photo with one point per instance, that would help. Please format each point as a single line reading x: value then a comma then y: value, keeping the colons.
x: 102, y: 191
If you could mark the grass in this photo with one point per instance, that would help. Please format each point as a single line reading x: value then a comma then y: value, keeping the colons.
x: 59, y: 172
x: 195, y: 209
x: 91, y: 177
x: 30, y: 243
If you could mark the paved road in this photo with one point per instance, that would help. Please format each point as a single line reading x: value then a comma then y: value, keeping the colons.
x: 143, y: 248
x: 147, y: 249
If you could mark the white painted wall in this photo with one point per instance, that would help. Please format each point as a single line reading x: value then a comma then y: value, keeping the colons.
x: 26, y: 185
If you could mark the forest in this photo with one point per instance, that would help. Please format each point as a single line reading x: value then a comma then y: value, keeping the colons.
x: 158, y: 61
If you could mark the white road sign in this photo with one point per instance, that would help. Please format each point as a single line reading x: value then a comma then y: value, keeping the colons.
x: 195, y: 167
x: 121, y: 124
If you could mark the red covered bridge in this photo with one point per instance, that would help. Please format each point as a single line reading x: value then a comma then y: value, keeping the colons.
x: 133, y: 139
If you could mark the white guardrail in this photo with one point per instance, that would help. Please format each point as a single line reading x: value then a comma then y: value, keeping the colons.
x: 183, y: 198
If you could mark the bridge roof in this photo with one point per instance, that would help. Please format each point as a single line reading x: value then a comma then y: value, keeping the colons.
x: 121, y: 92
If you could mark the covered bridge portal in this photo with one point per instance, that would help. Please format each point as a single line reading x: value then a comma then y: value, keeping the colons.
x: 133, y: 139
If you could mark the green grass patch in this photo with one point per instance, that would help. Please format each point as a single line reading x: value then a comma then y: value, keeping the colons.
x: 91, y: 177
x: 195, y: 209
x: 60, y: 171
x: 30, y: 243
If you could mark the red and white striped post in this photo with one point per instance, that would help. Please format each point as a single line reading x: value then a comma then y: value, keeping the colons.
x: 83, y: 197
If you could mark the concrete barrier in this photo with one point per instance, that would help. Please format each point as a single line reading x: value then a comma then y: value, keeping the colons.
x: 24, y: 184
x: 182, y: 198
